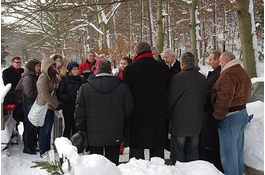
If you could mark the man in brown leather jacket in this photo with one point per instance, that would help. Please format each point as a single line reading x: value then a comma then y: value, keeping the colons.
x: 229, y: 97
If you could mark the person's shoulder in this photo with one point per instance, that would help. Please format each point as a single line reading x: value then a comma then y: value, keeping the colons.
x: 7, y: 69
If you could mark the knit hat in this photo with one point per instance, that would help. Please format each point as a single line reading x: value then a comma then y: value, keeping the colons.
x: 71, y: 65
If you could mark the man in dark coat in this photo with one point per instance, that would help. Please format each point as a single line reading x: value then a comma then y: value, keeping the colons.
x: 173, y: 64
x: 102, y: 105
x: 12, y: 75
x: 148, y: 80
x: 210, y: 150
x: 186, y: 98
x: 174, y: 68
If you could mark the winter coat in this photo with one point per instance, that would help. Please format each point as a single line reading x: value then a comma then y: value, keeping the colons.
x: 174, y: 69
x: 29, y: 86
x: 186, y: 98
x: 102, y: 105
x: 46, y: 84
x: 209, y: 136
x: 148, y: 80
x: 231, y: 91
x: 85, y: 69
x: 67, y: 90
x: 11, y: 76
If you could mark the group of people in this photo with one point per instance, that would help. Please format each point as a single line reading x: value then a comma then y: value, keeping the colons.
x: 163, y: 103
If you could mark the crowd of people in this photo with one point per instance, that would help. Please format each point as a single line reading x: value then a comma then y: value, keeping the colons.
x: 152, y: 102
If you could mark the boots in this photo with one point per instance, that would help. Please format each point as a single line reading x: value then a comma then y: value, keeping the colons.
x: 27, y: 147
x: 33, y: 144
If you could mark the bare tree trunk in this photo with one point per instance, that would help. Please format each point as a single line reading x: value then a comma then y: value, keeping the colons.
x: 224, y: 32
x: 214, y: 27
x: 244, y: 20
x: 141, y: 26
x: 151, y: 25
x: 160, y: 36
x: 192, y: 8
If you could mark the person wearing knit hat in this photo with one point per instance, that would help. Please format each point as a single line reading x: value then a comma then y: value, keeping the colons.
x: 71, y: 65
x: 67, y: 93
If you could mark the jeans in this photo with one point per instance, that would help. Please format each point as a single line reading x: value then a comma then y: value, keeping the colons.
x: 231, y: 135
x: 178, y: 149
x: 45, y: 132
x: 28, y: 126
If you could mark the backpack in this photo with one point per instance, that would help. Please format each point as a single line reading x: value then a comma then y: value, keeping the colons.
x: 18, y: 94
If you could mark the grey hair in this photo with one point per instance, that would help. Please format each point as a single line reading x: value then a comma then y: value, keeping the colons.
x: 228, y: 55
x: 188, y: 58
x: 170, y: 51
x: 142, y: 47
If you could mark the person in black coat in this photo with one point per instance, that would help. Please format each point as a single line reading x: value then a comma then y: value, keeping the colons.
x: 210, y: 149
x: 66, y: 93
x: 148, y: 80
x: 173, y: 64
x: 186, y: 98
x: 103, y: 103
x: 174, y: 68
x: 12, y: 75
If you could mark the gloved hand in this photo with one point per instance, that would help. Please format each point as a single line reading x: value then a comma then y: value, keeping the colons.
x: 10, y: 107
x: 59, y: 107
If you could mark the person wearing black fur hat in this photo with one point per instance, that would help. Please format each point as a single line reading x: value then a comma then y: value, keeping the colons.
x: 66, y: 93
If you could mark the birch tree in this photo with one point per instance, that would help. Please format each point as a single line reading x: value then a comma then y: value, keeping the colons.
x: 192, y: 5
x: 247, y: 35
x: 160, y: 33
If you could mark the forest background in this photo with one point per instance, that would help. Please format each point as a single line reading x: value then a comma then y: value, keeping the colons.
x: 38, y: 28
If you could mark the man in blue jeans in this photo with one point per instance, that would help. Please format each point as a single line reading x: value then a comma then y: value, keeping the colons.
x: 186, y: 98
x: 229, y: 97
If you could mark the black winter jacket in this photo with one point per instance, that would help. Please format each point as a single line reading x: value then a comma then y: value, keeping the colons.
x: 67, y: 90
x: 186, y: 99
x: 209, y: 136
x: 102, y: 105
x: 11, y: 76
x: 148, y: 80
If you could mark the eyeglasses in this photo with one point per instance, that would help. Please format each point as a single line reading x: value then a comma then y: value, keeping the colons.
x: 16, y: 62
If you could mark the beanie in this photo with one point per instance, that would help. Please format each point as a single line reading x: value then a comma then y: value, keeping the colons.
x: 71, y: 65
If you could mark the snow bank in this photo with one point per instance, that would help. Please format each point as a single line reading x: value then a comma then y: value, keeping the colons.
x: 254, y: 80
x: 90, y: 164
x: 157, y: 167
x: 254, y: 134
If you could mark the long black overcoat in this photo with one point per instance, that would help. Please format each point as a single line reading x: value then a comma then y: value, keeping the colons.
x: 148, y: 80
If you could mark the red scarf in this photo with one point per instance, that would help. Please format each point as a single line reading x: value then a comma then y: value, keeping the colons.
x: 17, y: 70
x: 144, y: 55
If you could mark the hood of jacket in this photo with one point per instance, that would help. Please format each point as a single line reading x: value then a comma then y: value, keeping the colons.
x: 46, y: 63
x: 104, y: 83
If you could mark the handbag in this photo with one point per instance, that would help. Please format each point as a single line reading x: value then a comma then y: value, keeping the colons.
x: 38, y: 113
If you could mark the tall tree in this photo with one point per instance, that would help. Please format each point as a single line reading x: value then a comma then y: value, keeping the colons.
x: 160, y: 33
x: 193, y: 23
x: 246, y: 35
